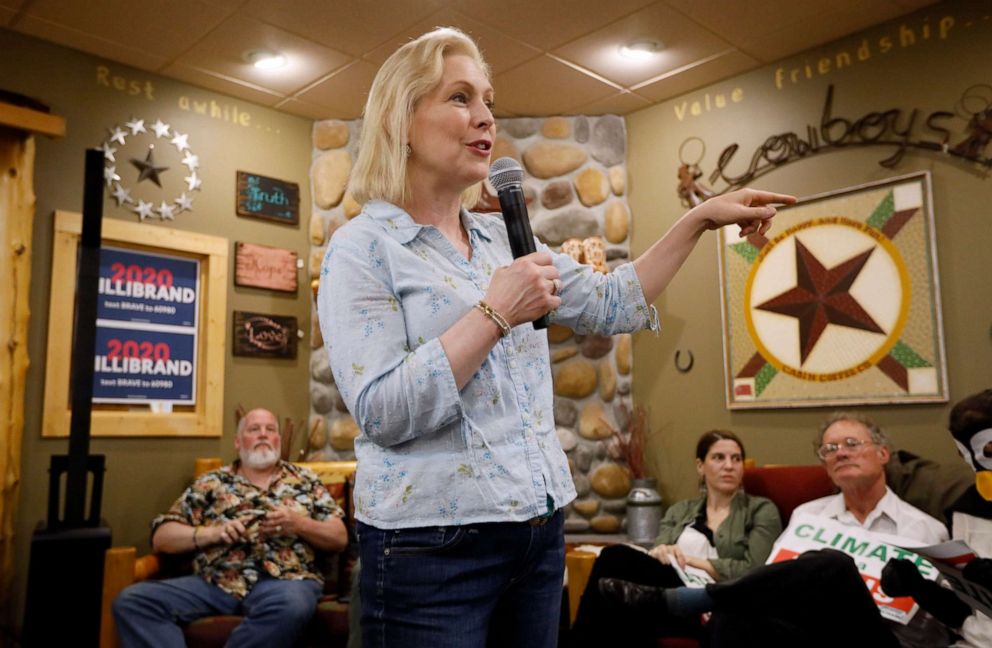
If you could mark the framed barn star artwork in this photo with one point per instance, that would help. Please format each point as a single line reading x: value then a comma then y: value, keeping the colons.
x: 838, y: 303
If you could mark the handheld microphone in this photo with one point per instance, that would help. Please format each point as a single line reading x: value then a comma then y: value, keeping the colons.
x: 506, y: 177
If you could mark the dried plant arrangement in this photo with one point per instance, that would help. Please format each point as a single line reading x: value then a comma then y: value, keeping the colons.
x: 630, y: 437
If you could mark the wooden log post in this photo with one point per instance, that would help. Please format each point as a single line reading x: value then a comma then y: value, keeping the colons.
x: 17, y: 204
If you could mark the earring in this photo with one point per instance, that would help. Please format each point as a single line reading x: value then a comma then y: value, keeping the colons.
x: 407, y: 150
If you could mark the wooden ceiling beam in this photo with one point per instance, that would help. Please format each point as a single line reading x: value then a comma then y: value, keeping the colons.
x: 33, y: 121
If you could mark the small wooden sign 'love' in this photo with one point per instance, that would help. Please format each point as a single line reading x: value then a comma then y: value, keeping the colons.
x: 264, y: 336
x: 261, y: 266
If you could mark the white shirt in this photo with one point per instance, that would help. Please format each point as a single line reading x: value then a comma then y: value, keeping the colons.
x: 693, y: 543
x: 892, y: 516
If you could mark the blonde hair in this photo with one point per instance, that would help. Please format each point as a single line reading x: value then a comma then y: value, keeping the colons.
x: 407, y: 76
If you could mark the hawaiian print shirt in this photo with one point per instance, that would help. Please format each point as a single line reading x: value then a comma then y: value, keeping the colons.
x: 429, y: 454
x: 223, y: 495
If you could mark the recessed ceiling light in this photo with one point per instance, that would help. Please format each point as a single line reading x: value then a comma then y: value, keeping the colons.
x: 640, y: 50
x: 265, y: 60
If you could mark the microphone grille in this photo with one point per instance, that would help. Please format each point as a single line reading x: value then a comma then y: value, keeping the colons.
x: 504, y: 173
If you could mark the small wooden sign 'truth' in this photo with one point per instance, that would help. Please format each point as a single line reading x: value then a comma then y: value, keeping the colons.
x: 260, y: 196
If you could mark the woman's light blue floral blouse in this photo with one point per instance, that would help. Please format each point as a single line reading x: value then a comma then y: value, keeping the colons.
x: 428, y: 454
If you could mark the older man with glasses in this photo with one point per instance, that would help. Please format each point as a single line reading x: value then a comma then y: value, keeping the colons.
x: 818, y: 599
x: 854, y: 451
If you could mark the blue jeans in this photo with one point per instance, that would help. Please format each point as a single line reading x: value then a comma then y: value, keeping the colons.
x: 495, y: 584
x: 151, y: 613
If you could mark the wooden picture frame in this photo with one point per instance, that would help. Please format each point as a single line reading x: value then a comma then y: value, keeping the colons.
x: 261, y: 266
x: 838, y: 304
x: 259, y: 196
x: 204, y: 418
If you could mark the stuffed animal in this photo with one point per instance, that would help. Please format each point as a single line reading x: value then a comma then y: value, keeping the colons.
x: 971, y: 521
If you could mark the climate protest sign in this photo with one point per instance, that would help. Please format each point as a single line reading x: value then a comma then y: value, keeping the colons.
x: 870, y: 552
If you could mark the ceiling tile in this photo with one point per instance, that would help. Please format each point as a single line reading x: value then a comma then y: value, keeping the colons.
x: 307, y: 110
x: 343, y: 93
x: 772, y: 29
x: 8, y: 9
x: 716, y: 70
x: 620, y: 103
x: 548, y: 56
x: 912, y: 5
x: 220, y: 83
x: 352, y: 26
x: 502, y: 52
x: 684, y: 42
x: 821, y: 28
x: 547, y: 24
x: 160, y: 28
x: 736, y: 21
x: 543, y: 86
x: 231, y: 5
x: 224, y: 53
x: 86, y: 42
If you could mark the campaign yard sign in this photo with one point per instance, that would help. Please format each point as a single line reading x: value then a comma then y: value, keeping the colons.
x: 147, y: 288
x: 142, y: 365
x: 147, y: 321
x: 870, y: 551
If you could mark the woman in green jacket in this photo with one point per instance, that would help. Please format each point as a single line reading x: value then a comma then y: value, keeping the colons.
x: 723, y: 532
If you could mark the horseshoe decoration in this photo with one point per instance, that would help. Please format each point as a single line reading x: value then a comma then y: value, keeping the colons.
x: 687, y: 367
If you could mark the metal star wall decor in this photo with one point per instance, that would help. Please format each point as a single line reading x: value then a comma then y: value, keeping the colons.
x: 838, y: 303
x: 148, y: 168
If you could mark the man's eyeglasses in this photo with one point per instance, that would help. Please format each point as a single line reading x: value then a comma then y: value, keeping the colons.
x: 827, y: 450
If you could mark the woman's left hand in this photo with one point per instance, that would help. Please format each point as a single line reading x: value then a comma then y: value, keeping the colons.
x: 668, y: 554
x: 750, y: 209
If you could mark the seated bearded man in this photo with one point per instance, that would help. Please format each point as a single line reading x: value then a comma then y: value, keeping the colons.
x: 254, y: 527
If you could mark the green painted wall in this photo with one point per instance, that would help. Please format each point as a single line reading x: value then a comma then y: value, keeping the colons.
x: 924, y: 61
x: 145, y: 475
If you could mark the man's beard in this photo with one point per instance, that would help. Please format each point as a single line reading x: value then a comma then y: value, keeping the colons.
x: 259, y: 458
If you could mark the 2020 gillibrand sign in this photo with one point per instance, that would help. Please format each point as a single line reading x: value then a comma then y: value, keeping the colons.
x: 146, y: 338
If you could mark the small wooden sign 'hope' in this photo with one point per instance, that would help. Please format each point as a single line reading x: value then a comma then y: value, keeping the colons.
x: 263, y: 197
x: 261, y: 266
